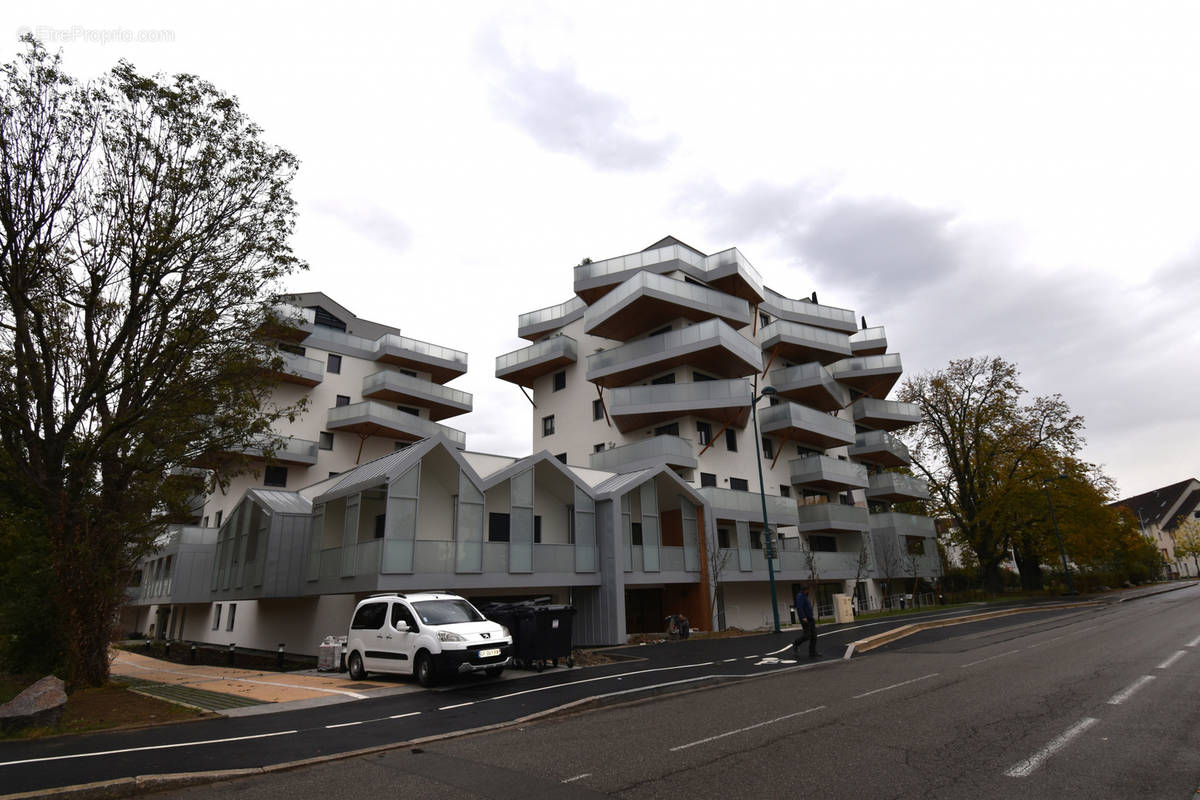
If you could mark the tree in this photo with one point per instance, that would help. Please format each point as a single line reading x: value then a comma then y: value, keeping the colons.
x: 975, y: 444
x: 1187, y: 541
x: 144, y: 223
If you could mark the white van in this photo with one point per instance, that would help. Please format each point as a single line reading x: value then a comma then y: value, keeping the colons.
x: 426, y: 635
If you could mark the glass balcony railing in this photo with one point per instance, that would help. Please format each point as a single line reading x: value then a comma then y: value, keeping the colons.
x: 370, y: 417
x: 394, y: 385
x: 533, y: 323
x: 885, y: 414
x: 838, y: 319
x: 293, y: 315
x: 897, y: 487
x: 644, y: 259
x: 343, y: 342
x: 880, y: 447
x: 799, y: 342
x: 827, y: 472
x: 911, y: 524
x: 554, y: 347
x: 301, y: 369
x: 684, y: 300
x: 682, y: 396
x: 644, y: 354
x: 727, y: 264
x: 734, y: 504
x: 287, y: 450
x: 833, y: 517
x: 664, y: 449
x: 847, y: 367
x: 422, y: 351
x: 806, y: 425
x: 811, y: 385
x: 869, y: 341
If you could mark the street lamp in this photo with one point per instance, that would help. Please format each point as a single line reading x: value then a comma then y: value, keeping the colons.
x: 1061, y: 551
x: 769, y: 543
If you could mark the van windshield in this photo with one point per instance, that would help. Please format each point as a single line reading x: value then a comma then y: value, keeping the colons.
x: 446, y: 612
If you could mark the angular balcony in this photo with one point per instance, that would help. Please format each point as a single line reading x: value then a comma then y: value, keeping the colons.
x: 300, y: 369
x: 802, y: 344
x: 904, y: 524
x: 896, y: 487
x: 828, y: 474
x: 811, y: 385
x: 725, y: 402
x: 442, y: 363
x: 287, y: 450
x: 534, y: 325
x: 370, y: 418
x: 885, y: 415
x: 881, y: 448
x: 395, y: 386
x: 869, y: 342
x: 833, y: 518
x: 670, y: 450
x: 712, y: 344
x: 647, y: 301
x: 287, y: 322
x: 730, y: 272
x: 808, y: 313
x: 526, y: 365
x: 594, y: 280
x: 737, y: 505
x: 873, y: 376
x: 805, y: 426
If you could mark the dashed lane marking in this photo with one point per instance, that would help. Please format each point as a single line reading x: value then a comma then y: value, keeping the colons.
x: 1025, y: 768
x: 1167, y: 664
x: 747, y: 728
x: 1128, y: 691
x: 989, y: 658
x: 897, y: 685
x: 577, y: 777
x: 457, y: 705
x: 1194, y: 642
x: 147, y: 747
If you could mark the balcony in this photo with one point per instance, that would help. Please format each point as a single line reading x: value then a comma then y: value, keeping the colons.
x: 801, y: 344
x: 670, y: 450
x: 833, y: 518
x: 896, y: 487
x: 805, y: 426
x: 811, y: 385
x: 287, y: 322
x: 300, y: 369
x: 370, y: 418
x: 807, y: 313
x: 594, y: 280
x: 881, y: 448
x: 533, y: 325
x: 395, y: 386
x: 526, y: 365
x: 289, y: 450
x: 869, y: 342
x: 711, y: 344
x: 730, y: 272
x: 885, y: 415
x: 442, y: 363
x: 647, y: 301
x: 828, y: 474
x: 736, y: 505
x: 725, y: 402
x: 903, y: 524
x: 873, y: 376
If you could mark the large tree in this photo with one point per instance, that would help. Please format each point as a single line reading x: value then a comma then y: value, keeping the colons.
x: 143, y: 225
x: 976, y: 445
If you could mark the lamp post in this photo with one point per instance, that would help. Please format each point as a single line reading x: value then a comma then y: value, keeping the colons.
x: 1061, y: 551
x: 769, y: 543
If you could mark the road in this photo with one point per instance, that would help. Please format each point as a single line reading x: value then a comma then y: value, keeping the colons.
x: 1096, y: 702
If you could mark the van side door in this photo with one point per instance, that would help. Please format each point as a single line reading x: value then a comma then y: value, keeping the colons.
x: 368, y: 626
x: 406, y: 634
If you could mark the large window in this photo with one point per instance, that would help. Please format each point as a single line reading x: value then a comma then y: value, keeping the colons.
x: 275, y: 476
x: 498, y: 527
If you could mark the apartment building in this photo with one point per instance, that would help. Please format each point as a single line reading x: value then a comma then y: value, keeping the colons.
x: 664, y: 357
x: 1160, y: 512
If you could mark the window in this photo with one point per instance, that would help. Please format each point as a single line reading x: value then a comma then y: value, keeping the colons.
x: 204, y: 524
x: 667, y: 430
x: 723, y: 539
x: 275, y: 476
x: 369, y: 617
x: 400, y: 613
x: 216, y: 617
x: 598, y: 448
x: 704, y: 432
x: 731, y: 440
x: 232, y: 614
x: 548, y: 425
x: 341, y: 400
x: 635, y: 534
x: 410, y: 373
x: 822, y: 544
x: 416, y: 412
x: 916, y: 545
x: 739, y: 484
x: 537, y: 529
x: 325, y: 440
x: 562, y: 457
x: 785, y: 490
x: 768, y: 449
x: 380, y: 525
x: 662, y: 380
x: 763, y: 319
x: 294, y: 349
x: 700, y: 377
x: 560, y: 380
x: 217, y: 523
x: 498, y: 527
x: 708, y: 479
x: 597, y: 409
x: 333, y: 363
x: 756, y: 539
x: 660, y: 331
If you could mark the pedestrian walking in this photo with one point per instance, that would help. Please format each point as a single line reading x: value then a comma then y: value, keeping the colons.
x: 808, y: 620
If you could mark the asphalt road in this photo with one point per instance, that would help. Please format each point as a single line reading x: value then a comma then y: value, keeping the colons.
x: 1097, y: 702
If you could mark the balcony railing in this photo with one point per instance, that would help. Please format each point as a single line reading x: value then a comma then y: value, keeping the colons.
x: 837, y: 319
x: 591, y: 279
x: 647, y: 300
x: 886, y: 415
x: 796, y: 341
x: 671, y: 450
x: 442, y: 363
x: 806, y: 426
x: 869, y: 341
x: 288, y: 321
x: 906, y: 524
x: 731, y: 272
x: 526, y: 365
x: 896, y: 487
x: 300, y: 369
x: 874, y: 376
x: 712, y: 343
x: 880, y: 447
x: 811, y: 385
x: 370, y: 418
x: 728, y: 401
x: 287, y: 450
x: 738, y: 505
x: 532, y: 325
x: 823, y: 472
x: 833, y: 517
x: 442, y: 401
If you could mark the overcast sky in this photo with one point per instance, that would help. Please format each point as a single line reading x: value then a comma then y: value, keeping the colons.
x: 1003, y: 178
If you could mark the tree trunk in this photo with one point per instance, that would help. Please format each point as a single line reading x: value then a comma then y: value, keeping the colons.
x: 993, y: 578
x: 1030, y: 567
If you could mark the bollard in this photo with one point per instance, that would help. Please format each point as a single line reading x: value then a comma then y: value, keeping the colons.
x: 229, y: 657
x: 192, y: 655
x: 279, y: 658
x: 167, y: 651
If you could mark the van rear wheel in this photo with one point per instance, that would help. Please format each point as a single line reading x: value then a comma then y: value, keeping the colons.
x: 355, y: 664
x: 424, y: 670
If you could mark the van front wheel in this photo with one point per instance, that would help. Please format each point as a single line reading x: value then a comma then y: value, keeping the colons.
x: 355, y: 665
x: 424, y: 670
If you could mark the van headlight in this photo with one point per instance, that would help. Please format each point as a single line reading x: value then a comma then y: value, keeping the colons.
x: 504, y: 632
x: 449, y: 636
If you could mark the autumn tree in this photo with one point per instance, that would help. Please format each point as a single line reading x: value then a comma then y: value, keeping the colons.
x: 143, y: 224
x: 1187, y: 541
x: 975, y: 446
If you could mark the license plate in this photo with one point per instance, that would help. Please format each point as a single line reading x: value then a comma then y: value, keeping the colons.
x: 495, y: 651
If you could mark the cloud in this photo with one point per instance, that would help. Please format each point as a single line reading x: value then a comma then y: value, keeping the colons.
x: 562, y: 115
x: 374, y: 223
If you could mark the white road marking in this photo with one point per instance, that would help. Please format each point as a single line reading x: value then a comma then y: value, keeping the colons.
x: 207, y: 678
x: 1026, y: 767
x: 346, y: 724
x: 1127, y: 692
x: 728, y: 660
x: 1167, y: 664
x: 989, y: 658
x: 577, y: 777
x: 147, y: 747
x: 747, y: 728
x: 601, y: 678
x: 897, y: 685
x: 1064, y: 636
x: 460, y: 705
x: 402, y: 716
x: 1194, y: 642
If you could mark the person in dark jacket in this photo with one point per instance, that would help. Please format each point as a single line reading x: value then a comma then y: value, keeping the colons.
x: 804, y: 612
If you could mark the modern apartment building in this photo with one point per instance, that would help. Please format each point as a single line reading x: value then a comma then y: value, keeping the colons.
x: 656, y: 361
x: 1159, y: 513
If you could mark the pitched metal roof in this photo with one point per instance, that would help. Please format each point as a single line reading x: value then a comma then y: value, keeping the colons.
x: 281, y: 502
x: 1155, y: 507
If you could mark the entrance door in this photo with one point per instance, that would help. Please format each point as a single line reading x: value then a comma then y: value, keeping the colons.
x: 644, y: 611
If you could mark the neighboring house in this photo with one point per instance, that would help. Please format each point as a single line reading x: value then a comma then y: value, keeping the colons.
x: 1159, y: 514
x: 656, y: 360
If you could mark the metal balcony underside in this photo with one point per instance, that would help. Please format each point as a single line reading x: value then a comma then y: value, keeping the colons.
x: 808, y: 313
x: 805, y: 426
x: 396, y: 387
x: 526, y: 365
x: 801, y: 344
x: 895, y: 487
x: 370, y: 418
x: 536, y: 325
x: 885, y: 415
x: 673, y: 451
x: 442, y: 363
x: 300, y: 370
x: 873, y: 376
x: 880, y: 448
x: 869, y: 342
x: 811, y: 385
x: 724, y: 402
x: 647, y: 301
x: 711, y: 345
x: 827, y: 474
